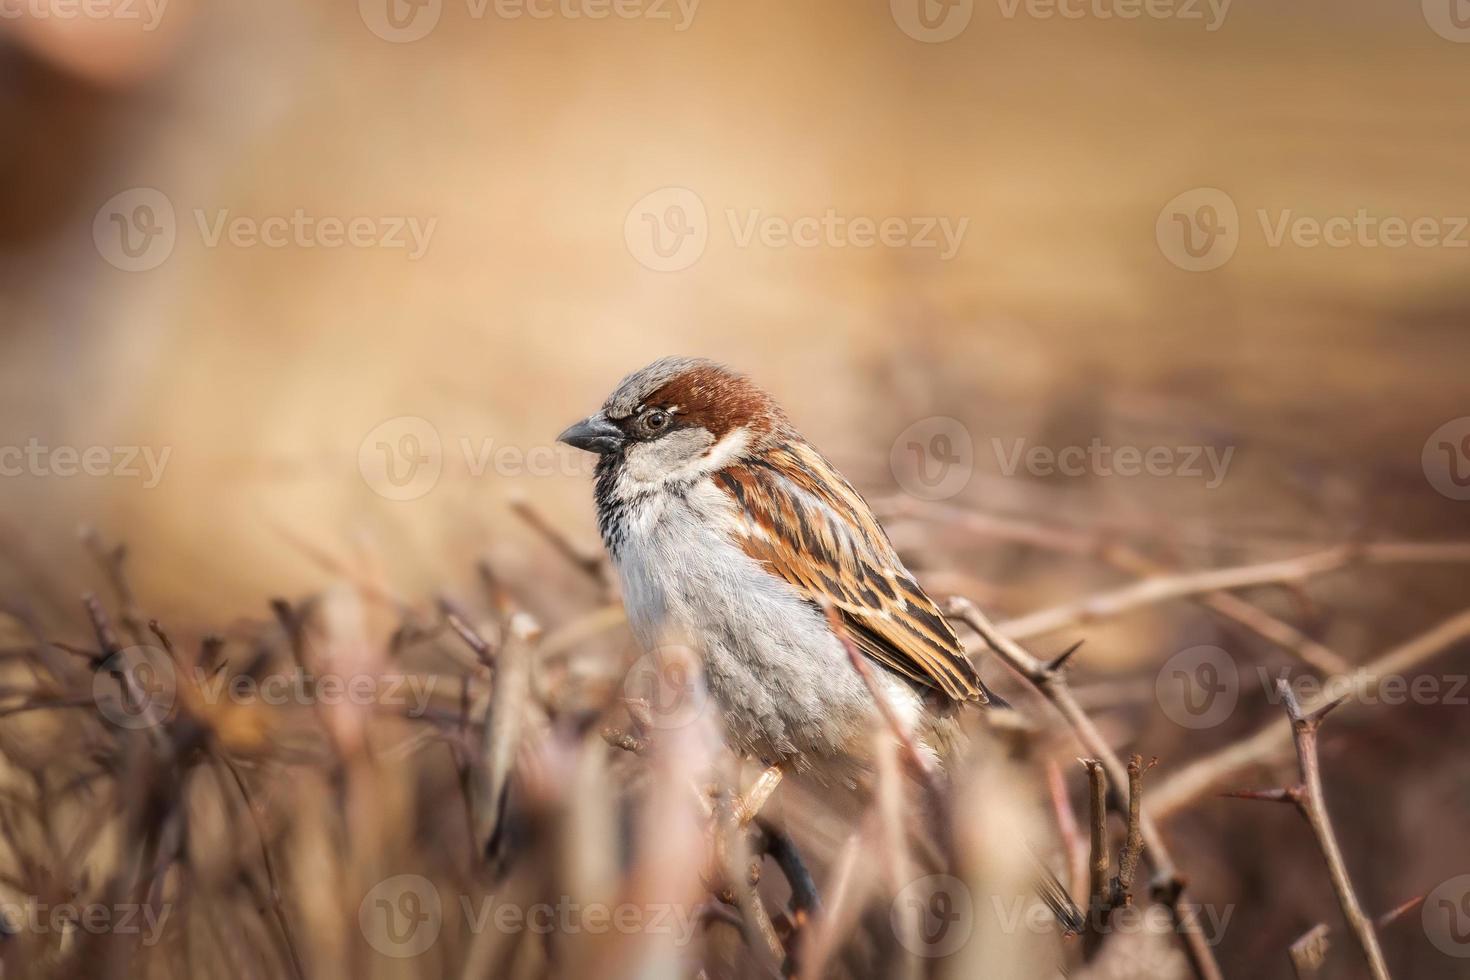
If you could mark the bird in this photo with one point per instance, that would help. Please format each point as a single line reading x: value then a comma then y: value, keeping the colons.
x: 728, y: 529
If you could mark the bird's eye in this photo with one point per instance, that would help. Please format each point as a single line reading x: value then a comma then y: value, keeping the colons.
x: 656, y: 420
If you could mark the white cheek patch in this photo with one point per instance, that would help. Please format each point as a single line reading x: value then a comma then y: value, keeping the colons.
x: 683, y: 456
x: 650, y: 464
x: 726, y: 451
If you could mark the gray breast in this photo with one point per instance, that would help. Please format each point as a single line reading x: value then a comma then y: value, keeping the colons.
x: 781, y: 681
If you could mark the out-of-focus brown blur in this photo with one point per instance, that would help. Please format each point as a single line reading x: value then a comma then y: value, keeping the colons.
x: 294, y: 289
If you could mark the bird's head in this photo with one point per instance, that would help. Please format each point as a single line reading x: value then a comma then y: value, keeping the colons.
x: 679, y: 418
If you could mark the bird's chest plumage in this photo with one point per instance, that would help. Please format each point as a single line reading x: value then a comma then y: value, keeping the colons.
x: 683, y: 572
x: 780, y: 679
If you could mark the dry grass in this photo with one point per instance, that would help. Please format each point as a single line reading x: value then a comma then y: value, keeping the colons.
x: 485, y: 795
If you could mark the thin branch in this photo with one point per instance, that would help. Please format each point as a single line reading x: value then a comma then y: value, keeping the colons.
x: 113, y: 562
x: 590, y: 565
x: 740, y: 875
x: 1164, y: 587
x: 1308, y: 798
x: 1310, y: 949
x: 1133, y: 843
x: 273, y: 881
x: 136, y: 699
x: 457, y: 622
x: 919, y: 763
x: 1274, y: 738
x: 1167, y: 885
x: 1233, y: 607
x: 1309, y: 952
x: 1076, y: 851
x: 505, y: 716
x: 1097, y: 821
x: 293, y: 622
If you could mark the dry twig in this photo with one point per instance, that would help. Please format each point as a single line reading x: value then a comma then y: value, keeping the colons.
x: 1122, y: 890
x: 590, y: 565
x: 1274, y: 738
x: 916, y: 760
x: 1097, y: 821
x: 1050, y: 681
x: 1187, y: 584
x: 1076, y: 851
x: 1307, y: 797
x: 1309, y: 952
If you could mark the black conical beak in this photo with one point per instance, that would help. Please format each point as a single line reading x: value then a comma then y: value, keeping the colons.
x: 594, y: 434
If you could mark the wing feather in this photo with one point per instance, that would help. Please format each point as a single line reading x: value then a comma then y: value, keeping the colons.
x: 808, y: 525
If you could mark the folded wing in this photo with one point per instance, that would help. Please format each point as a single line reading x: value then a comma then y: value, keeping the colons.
x: 808, y: 525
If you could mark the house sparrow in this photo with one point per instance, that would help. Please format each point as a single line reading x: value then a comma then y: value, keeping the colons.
x: 729, y: 530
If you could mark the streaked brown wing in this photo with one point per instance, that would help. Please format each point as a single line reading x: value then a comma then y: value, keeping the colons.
x: 807, y: 524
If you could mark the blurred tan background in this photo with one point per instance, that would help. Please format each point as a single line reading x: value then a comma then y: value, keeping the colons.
x: 527, y: 141
x: 275, y: 378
